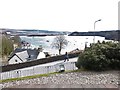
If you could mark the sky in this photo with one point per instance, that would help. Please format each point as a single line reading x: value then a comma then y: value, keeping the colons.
x: 59, y: 15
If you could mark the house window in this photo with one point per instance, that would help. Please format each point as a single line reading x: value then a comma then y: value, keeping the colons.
x: 15, y: 60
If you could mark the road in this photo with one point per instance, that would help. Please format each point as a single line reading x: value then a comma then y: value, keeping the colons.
x: 60, y: 62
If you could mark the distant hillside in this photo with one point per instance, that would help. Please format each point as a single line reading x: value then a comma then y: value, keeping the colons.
x: 31, y: 31
x: 110, y: 35
x: 41, y: 31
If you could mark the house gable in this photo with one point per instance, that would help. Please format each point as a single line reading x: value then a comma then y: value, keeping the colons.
x: 18, y: 57
x: 25, y: 55
x: 15, y: 59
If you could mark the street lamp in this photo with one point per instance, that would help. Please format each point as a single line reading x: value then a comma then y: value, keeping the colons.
x: 94, y: 29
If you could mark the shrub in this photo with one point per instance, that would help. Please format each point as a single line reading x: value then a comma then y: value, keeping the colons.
x: 92, y: 61
x: 100, y: 56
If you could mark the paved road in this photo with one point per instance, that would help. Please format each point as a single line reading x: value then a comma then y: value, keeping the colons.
x: 59, y: 62
x: 56, y: 63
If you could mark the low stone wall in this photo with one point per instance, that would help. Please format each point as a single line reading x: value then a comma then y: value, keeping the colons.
x: 36, y: 62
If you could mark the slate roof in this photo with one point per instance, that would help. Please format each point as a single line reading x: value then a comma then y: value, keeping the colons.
x: 32, y: 53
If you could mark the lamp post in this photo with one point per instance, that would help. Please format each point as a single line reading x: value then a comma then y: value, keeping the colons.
x: 86, y: 43
x: 94, y: 29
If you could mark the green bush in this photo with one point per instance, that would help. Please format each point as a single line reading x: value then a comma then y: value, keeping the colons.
x: 100, y: 56
x: 7, y: 46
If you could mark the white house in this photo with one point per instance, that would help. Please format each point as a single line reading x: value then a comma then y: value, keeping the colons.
x: 18, y: 57
x: 23, y: 55
x: 41, y: 55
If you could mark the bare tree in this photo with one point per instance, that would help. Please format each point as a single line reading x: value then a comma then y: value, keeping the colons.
x: 59, y: 42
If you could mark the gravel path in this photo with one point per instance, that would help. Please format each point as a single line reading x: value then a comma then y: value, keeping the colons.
x: 72, y: 79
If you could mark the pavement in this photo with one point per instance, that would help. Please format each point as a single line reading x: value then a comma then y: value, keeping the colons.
x: 60, y: 62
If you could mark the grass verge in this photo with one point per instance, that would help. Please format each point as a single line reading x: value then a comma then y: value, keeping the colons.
x: 37, y: 76
x: 27, y: 77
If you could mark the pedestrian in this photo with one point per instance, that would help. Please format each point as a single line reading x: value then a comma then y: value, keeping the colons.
x: 66, y: 57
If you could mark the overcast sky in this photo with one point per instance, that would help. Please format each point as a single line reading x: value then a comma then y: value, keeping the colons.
x: 59, y: 15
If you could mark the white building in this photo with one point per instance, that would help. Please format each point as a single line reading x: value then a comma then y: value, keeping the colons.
x: 18, y: 57
x: 23, y: 55
x: 41, y: 55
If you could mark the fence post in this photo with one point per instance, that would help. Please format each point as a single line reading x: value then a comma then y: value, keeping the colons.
x: 17, y: 74
x: 47, y: 69
x: 73, y: 65
x: 33, y: 70
x: 0, y: 76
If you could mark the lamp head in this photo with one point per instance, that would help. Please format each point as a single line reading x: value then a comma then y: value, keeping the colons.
x: 99, y: 20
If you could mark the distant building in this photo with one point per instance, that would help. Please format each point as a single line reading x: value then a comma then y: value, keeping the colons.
x: 15, y: 45
x: 22, y: 55
x: 8, y: 33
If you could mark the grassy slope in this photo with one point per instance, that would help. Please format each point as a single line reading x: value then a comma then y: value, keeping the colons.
x: 37, y: 76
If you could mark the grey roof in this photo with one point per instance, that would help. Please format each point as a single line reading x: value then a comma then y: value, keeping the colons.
x: 32, y: 53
